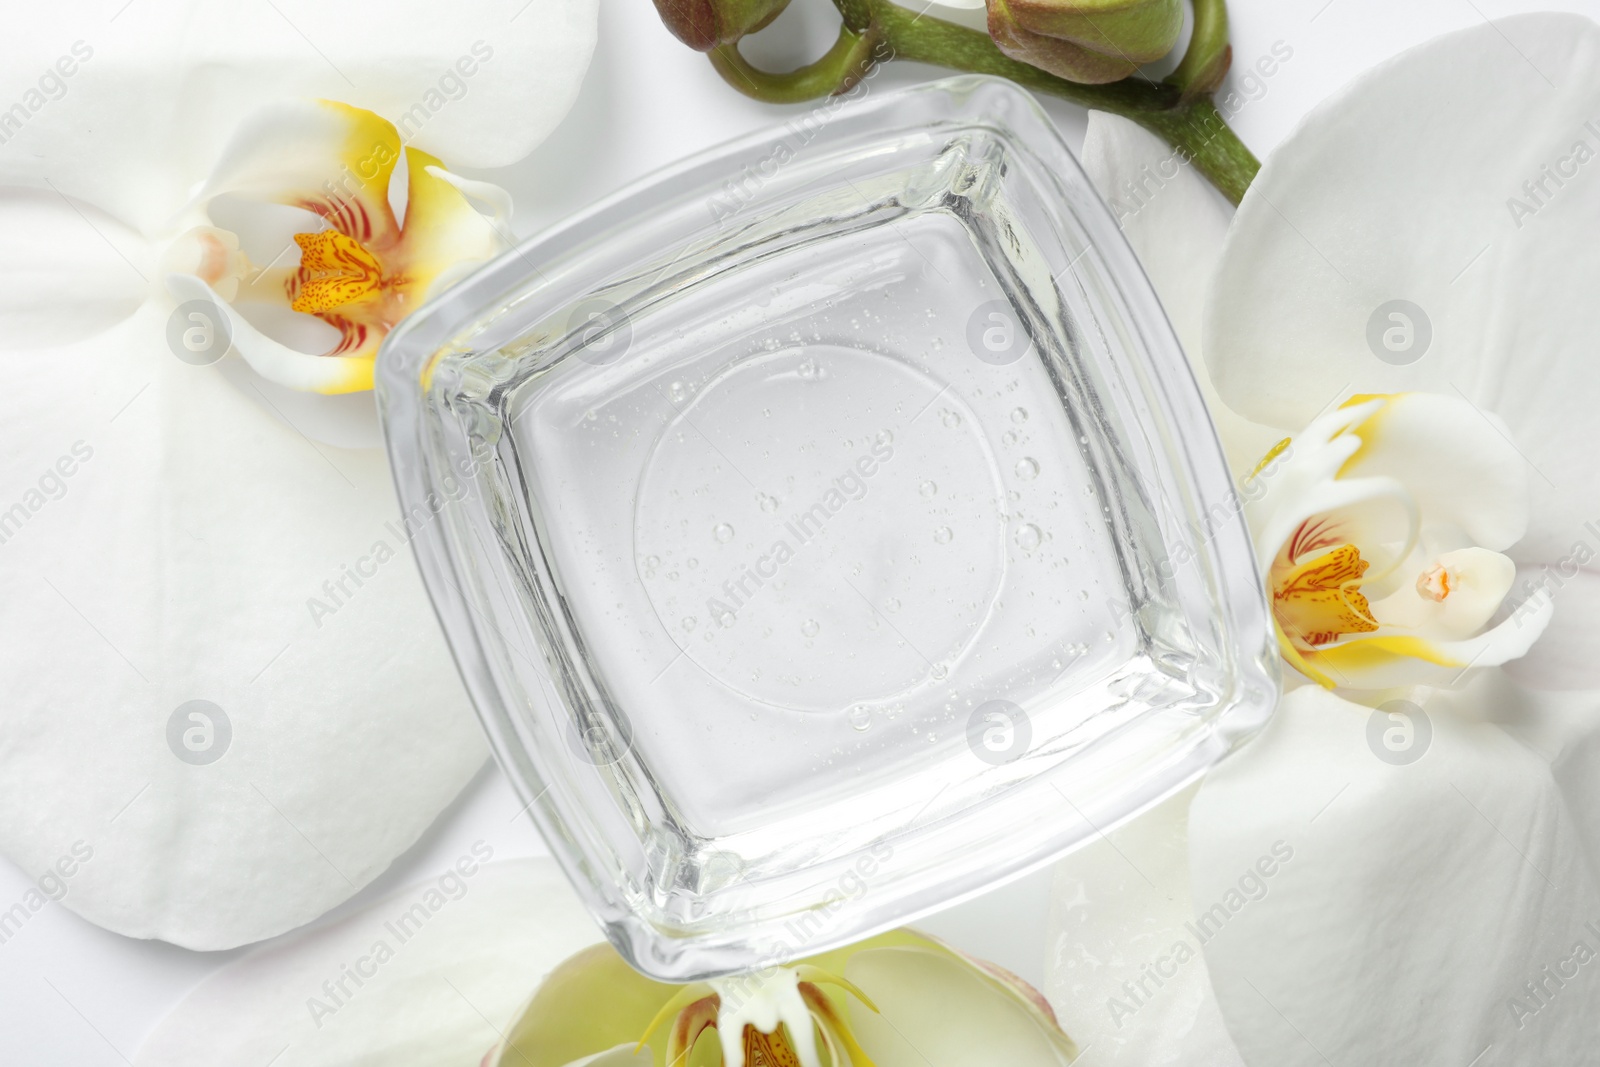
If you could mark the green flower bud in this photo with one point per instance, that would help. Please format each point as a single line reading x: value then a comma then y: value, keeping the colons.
x: 1088, y: 41
x: 705, y: 24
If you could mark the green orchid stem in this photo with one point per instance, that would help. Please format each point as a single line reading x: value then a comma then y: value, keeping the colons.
x: 1180, y: 112
x: 1206, y: 62
x: 846, y: 63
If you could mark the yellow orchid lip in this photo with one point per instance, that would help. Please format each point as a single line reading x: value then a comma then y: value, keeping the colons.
x: 1318, y: 600
x: 335, y: 270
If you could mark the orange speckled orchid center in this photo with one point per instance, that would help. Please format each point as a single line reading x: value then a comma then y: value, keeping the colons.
x: 1316, y: 593
x: 335, y: 270
x: 768, y: 1050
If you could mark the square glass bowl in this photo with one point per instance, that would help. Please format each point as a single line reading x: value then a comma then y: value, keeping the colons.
x: 828, y: 528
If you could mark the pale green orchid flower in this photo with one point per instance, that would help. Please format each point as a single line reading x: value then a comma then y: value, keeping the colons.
x: 901, y: 999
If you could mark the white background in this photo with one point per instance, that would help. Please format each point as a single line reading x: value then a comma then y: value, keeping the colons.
x: 71, y: 993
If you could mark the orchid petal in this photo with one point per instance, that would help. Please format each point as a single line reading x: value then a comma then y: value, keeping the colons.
x: 1176, y: 221
x: 431, y: 974
x: 1457, y: 462
x: 175, y: 544
x: 1303, y: 482
x: 764, y: 1004
x: 1564, y: 728
x: 1421, y: 183
x: 492, y: 196
x: 593, y: 1000
x: 1453, y: 466
x: 324, y: 157
x: 1319, y: 849
x: 343, y: 420
x: 449, y: 234
x: 1472, y: 583
x: 151, y: 100
x: 936, y: 1010
x: 1564, y: 657
x: 1126, y: 974
x: 273, y: 360
x: 340, y: 162
x: 67, y: 270
x: 1390, y: 660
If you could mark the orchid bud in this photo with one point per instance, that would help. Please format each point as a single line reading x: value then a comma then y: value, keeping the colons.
x: 1087, y: 41
x: 705, y: 24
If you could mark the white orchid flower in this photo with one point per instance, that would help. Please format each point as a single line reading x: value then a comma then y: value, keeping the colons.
x: 1414, y: 882
x: 897, y: 1000
x: 1379, y: 528
x: 389, y: 226
x: 227, y: 704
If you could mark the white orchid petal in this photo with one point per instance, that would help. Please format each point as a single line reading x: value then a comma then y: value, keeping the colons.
x: 432, y: 974
x: 67, y: 270
x: 151, y: 100
x: 1387, y: 660
x: 1564, y: 728
x: 1304, y: 481
x: 764, y: 1003
x: 170, y: 543
x: 1404, y: 186
x: 273, y: 360
x: 1127, y: 978
x: 1564, y: 657
x: 496, y: 199
x: 449, y: 237
x: 1453, y: 595
x: 1176, y: 221
x: 317, y: 155
x: 938, y: 1011
x: 1466, y: 859
x: 343, y: 420
x: 1459, y: 463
